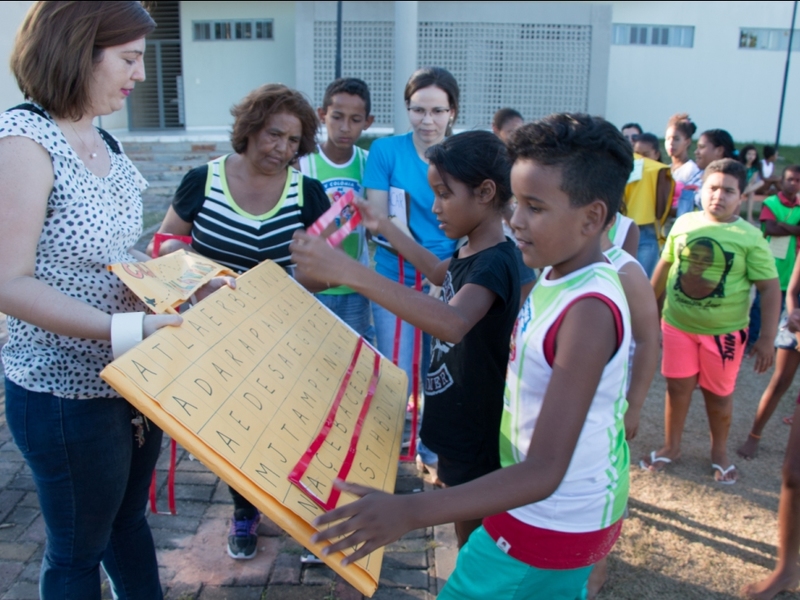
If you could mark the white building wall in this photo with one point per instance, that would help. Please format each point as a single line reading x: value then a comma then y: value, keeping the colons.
x: 12, y: 15
x: 535, y: 56
x: 716, y: 82
x: 217, y: 74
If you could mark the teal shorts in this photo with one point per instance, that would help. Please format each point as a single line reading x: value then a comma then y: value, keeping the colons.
x: 484, y: 571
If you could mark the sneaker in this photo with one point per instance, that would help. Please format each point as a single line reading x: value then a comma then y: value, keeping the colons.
x: 309, y: 558
x: 242, y: 538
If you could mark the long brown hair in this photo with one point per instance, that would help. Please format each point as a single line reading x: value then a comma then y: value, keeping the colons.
x: 59, y: 44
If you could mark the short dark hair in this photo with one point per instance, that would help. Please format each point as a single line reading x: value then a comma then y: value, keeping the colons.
x: 472, y: 157
x: 790, y: 169
x: 682, y: 123
x: 649, y: 138
x: 769, y: 152
x: 347, y: 85
x: 503, y: 116
x: 728, y: 166
x: 635, y: 125
x: 255, y: 110
x: 595, y: 159
x: 720, y: 137
x: 436, y: 76
x: 59, y: 43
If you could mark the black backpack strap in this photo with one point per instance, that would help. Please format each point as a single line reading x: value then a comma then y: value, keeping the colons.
x: 107, y: 137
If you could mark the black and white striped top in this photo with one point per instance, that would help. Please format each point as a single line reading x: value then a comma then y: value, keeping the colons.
x: 225, y: 233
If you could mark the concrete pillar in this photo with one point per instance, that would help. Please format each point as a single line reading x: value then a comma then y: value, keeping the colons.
x: 405, y: 58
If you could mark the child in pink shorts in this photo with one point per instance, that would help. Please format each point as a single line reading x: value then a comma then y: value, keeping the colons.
x: 709, y: 262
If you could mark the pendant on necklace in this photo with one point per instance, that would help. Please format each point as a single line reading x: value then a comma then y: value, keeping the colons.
x: 93, y: 155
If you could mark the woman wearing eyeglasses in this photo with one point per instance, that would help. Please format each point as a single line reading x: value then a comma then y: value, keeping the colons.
x: 397, y: 166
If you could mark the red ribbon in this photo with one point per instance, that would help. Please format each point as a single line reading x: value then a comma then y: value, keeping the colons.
x: 159, y: 238
x: 170, y: 484
x: 301, y: 467
x: 415, y: 361
x: 330, y: 215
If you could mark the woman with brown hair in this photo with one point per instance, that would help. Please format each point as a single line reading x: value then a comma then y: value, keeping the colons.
x: 71, y: 205
x: 396, y: 178
x: 242, y: 209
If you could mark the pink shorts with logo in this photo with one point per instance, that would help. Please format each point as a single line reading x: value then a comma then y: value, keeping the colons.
x: 716, y: 358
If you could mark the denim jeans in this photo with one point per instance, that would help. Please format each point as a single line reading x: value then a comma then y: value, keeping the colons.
x: 685, y: 202
x: 385, y: 325
x: 648, y: 252
x: 353, y: 309
x: 92, y: 479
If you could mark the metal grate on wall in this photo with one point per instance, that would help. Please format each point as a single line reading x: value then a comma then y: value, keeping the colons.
x: 537, y: 69
x: 367, y: 53
x: 157, y: 102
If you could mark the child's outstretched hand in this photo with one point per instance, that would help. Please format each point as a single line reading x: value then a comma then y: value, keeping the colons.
x: 373, y: 521
x: 369, y: 217
x: 316, y: 259
x: 764, y: 353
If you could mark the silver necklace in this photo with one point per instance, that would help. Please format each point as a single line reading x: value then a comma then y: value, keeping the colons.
x: 85, y: 145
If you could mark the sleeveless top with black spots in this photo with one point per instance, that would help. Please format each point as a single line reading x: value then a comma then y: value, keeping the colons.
x: 90, y: 223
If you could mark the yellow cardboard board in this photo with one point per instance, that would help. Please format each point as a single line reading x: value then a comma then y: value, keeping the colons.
x: 246, y: 384
x: 167, y: 282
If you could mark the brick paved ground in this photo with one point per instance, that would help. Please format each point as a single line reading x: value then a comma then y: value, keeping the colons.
x: 191, y: 545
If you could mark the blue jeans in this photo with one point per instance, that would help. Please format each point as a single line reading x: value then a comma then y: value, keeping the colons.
x: 648, y: 252
x: 385, y: 324
x: 353, y: 309
x: 92, y: 479
x: 685, y: 202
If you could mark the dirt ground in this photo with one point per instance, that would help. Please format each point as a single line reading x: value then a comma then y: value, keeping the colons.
x: 688, y: 537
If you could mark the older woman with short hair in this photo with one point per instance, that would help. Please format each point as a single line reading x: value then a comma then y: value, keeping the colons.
x: 242, y: 209
x: 71, y: 205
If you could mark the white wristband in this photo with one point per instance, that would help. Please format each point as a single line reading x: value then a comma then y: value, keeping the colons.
x: 126, y: 331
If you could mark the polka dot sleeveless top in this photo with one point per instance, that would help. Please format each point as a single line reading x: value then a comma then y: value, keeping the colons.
x: 90, y: 223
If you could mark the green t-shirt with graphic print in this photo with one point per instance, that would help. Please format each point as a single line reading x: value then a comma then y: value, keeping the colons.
x: 713, y: 267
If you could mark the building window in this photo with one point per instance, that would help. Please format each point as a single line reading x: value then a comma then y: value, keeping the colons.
x: 233, y: 30
x: 653, y: 35
x: 768, y: 39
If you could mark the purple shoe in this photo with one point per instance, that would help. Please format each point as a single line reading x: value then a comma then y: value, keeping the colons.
x: 242, y: 538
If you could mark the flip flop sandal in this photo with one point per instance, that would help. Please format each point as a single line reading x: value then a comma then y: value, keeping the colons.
x: 653, y: 460
x: 723, y: 473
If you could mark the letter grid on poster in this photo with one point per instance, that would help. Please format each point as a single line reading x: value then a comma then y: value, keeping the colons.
x: 278, y: 397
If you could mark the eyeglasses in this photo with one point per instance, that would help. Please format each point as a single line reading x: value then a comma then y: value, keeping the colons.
x: 437, y: 112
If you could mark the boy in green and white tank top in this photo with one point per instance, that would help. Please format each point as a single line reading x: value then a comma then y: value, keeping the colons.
x: 339, y: 166
x: 556, y: 507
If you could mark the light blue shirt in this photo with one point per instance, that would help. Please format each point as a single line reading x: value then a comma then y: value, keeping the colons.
x: 393, y: 162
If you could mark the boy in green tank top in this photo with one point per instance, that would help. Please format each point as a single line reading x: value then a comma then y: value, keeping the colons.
x: 780, y: 222
x: 339, y: 166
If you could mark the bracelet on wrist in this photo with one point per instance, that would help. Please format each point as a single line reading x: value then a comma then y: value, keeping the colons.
x: 127, y: 330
